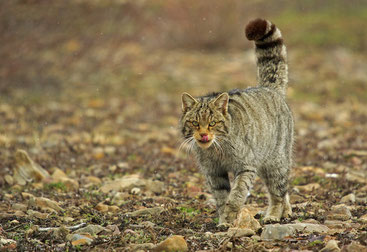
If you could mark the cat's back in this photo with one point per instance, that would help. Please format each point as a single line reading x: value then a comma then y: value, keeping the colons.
x: 259, y: 104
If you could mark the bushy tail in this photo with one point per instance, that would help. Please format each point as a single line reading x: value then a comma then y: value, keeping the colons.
x: 271, y: 54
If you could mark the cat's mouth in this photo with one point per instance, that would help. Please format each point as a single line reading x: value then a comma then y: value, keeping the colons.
x: 204, y: 144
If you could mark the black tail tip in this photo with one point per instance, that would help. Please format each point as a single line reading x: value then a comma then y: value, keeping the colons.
x: 256, y: 29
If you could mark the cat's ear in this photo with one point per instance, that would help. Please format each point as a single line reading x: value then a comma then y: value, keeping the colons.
x: 221, y: 103
x: 187, y: 102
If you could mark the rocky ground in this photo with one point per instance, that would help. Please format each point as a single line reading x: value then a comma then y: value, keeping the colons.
x: 90, y: 161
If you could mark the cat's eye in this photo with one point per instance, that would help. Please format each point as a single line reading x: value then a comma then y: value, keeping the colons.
x: 212, y: 123
x: 195, y: 123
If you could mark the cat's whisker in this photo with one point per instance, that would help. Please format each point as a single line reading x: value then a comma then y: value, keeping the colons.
x: 186, y: 144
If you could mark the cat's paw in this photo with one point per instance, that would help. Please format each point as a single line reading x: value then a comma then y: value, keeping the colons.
x: 270, y: 219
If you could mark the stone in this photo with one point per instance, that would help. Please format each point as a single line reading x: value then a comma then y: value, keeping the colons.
x: 154, y: 186
x: 102, y: 207
x: 309, y: 187
x: 90, y: 229
x: 246, y: 220
x: 93, y: 180
x: 363, y: 218
x: 172, y: 244
x: 114, y: 229
x: 26, y: 170
x: 125, y: 183
x: 120, y: 198
x: 79, y: 239
x: 278, y: 231
x: 7, y: 244
x: 9, y: 179
x: 135, y: 191
x: 45, y: 204
x: 142, y: 247
x: 240, y: 232
x: 59, y: 176
x: 331, y: 246
x: 146, y: 211
x: 339, y: 212
x: 354, y: 247
x: 348, y: 199
x: 20, y: 207
x: 37, y: 214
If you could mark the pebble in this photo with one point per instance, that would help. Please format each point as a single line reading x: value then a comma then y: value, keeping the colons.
x: 146, y: 211
x: 354, y: 247
x: 339, y: 212
x: 20, y: 207
x: 9, y: 179
x: 309, y: 187
x: 90, y: 229
x: 171, y: 244
x: 278, y: 231
x: 236, y: 232
x: 93, y: 180
x: 348, y: 199
x: 102, y: 207
x: 363, y: 218
x: 45, y: 204
x: 246, y: 220
x: 79, y: 239
x: 37, y: 214
x: 135, y: 191
x: 26, y: 169
x: 331, y: 246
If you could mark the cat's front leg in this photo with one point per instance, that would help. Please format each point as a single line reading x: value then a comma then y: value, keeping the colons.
x: 220, y: 187
x: 236, y: 200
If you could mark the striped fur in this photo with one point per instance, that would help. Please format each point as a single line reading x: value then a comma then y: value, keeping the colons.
x: 246, y: 132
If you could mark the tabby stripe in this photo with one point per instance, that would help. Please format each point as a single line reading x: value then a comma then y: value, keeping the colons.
x: 271, y: 44
x: 270, y: 33
x: 273, y: 59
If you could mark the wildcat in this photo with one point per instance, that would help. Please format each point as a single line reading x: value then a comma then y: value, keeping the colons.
x: 246, y: 132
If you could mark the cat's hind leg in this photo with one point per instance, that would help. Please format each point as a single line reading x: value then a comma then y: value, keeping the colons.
x: 276, y: 181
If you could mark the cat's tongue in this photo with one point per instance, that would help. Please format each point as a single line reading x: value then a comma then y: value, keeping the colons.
x: 205, y: 138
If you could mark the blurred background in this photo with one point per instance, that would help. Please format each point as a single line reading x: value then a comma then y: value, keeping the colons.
x: 93, y: 87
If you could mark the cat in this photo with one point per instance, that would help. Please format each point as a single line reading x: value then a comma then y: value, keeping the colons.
x: 246, y: 132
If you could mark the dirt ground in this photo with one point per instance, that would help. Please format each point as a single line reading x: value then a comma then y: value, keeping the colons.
x: 96, y: 107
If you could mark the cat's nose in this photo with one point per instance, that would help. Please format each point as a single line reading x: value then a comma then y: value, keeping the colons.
x: 204, y: 137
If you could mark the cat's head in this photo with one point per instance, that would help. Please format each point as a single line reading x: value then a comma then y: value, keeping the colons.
x: 204, y: 120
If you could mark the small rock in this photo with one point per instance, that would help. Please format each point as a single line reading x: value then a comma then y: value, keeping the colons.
x: 331, y: 246
x: 45, y: 204
x: 120, y: 198
x: 20, y: 207
x: 339, y: 212
x: 155, y: 186
x: 26, y: 170
x: 94, y: 180
x: 27, y: 196
x: 246, y: 220
x: 7, y: 244
x: 113, y: 209
x: 278, y: 232
x: 125, y: 183
x: 38, y: 215
x: 146, y: 211
x: 171, y: 244
x: 102, y: 207
x: 60, y: 176
x: 240, y: 232
x: 354, y: 247
x: 80, y: 239
x: 363, y: 218
x: 9, y: 179
x: 90, y: 229
x: 309, y: 187
x: 114, y: 229
x: 348, y: 199
x: 295, y: 198
x: 141, y: 247
x: 135, y: 191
